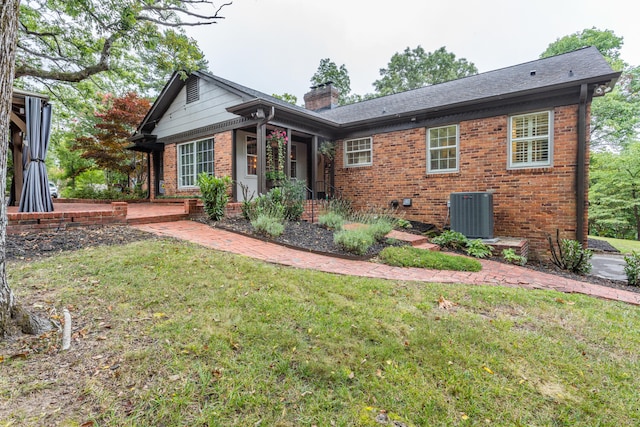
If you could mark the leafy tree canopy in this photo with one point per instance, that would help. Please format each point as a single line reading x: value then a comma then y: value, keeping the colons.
x: 604, y: 40
x: 106, y: 142
x: 72, y: 40
x: 328, y: 71
x: 614, y: 193
x: 415, y: 68
x: 616, y: 116
x: 287, y: 97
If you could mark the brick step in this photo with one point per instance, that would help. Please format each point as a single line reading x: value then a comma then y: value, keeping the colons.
x: 413, y: 239
x: 427, y: 246
x: 157, y: 219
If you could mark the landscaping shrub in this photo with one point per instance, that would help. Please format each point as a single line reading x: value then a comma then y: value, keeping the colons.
x: 632, y: 268
x: 294, y: 196
x: 357, y: 241
x: 570, y: 255
x: 269, y: 204
x: 215, y: 194
x: 511, y: 257
x: 478, y: 249
x: 450, y: 239
x: 380, y: 228
x: 268, y: 225
x: 408, y: 256
x: 331, y: 220
x: 88, y: 192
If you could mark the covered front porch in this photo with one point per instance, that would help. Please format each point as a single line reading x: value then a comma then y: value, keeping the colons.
x: 275, y: 147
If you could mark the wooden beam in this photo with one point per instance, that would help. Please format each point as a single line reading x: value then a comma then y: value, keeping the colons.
x: 18, y: 122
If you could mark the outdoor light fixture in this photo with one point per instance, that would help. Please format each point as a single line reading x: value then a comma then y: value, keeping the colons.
x: 406, y: 202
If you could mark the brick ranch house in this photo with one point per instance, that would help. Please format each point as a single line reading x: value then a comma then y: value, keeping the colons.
x: 520, y: 133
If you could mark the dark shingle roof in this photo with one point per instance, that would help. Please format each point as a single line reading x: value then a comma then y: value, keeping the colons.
x: 578, y: 66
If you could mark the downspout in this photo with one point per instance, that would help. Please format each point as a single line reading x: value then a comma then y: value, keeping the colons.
x: 580, y: 165
x: 262, y: 149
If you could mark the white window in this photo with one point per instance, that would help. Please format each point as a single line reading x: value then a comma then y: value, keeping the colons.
x: 194, y: 158
x: 530, y: 141
x: 358, y: 152
x: 443, y: 147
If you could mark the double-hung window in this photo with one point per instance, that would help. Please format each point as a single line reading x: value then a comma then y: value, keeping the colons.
x: 442, y: 149
x: 193, y: 159
x: 358, y: 152
x: 530, y: 140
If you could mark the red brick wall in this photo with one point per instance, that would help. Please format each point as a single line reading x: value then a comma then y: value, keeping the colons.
x: 222, y: 157
x: 528, y: 203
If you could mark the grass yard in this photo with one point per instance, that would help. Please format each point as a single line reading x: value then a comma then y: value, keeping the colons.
x: 624, y: 246
x: 170, y: 334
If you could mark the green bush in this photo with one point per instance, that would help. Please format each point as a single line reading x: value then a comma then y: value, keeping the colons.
x: 88, y: 192
x: 331, y: 220
x: 632, y: 268
x: 357, y: 241
x: 570, y: 255
x: 511, y: 257
x: 408, y: 256
x: 294, y: 196
x: 215, y: 194
x: 268, y: 225
x: 380, y: 228
x: 403, y: 223
x: 450, y: 239
x: 478, y: 249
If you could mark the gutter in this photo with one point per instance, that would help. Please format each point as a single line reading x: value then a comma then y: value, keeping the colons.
x: 581, y: 176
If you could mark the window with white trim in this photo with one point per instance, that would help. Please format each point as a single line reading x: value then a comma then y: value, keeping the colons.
x: 358, y: 152
x: 530, y: 140
x: 442, y: 149
x: 194, y: 158
x: 252, y: 155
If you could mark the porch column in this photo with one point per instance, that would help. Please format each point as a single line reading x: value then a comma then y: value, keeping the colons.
x: 18, y: 170
x: 287, y: 162
x: 261, y: 142
x: 314, y: 164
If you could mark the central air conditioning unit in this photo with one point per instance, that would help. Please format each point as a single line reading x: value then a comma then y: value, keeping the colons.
x: 472, y: 214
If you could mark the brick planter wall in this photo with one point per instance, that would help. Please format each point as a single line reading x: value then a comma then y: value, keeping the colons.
x: 43, y: 221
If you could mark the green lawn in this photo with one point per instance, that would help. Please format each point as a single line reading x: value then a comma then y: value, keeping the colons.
x: 175, y: 334
x: 624, y: 246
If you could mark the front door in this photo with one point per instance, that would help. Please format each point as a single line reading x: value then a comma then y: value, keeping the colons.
x: 246, y: 166
x: 299, y: 162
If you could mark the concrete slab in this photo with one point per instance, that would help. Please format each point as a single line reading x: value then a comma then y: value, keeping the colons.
x: 608, y: 267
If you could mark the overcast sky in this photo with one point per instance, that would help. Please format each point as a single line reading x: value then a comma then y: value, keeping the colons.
x: 275, y: 46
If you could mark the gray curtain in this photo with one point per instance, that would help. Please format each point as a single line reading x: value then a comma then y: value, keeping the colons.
x: 35, y: 189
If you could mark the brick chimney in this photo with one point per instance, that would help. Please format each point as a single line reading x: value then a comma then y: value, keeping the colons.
x: 321, y: 97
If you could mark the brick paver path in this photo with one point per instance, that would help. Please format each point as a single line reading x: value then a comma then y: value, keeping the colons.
x: 493, y: 273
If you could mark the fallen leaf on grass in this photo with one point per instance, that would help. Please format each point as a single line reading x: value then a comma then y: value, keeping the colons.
x: 561, y: 301
x: 488, y: 370
x: 445, y: 304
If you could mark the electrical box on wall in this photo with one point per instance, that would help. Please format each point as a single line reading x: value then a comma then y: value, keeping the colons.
x: 472, y: 214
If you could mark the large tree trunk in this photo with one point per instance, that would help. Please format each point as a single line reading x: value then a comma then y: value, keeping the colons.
x: 11, y: 313
x: 9, y: 31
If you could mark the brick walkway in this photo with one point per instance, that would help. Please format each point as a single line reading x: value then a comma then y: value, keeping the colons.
x: 493, y: 273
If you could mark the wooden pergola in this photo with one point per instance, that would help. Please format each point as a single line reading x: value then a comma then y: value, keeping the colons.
x: 18, y: 128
